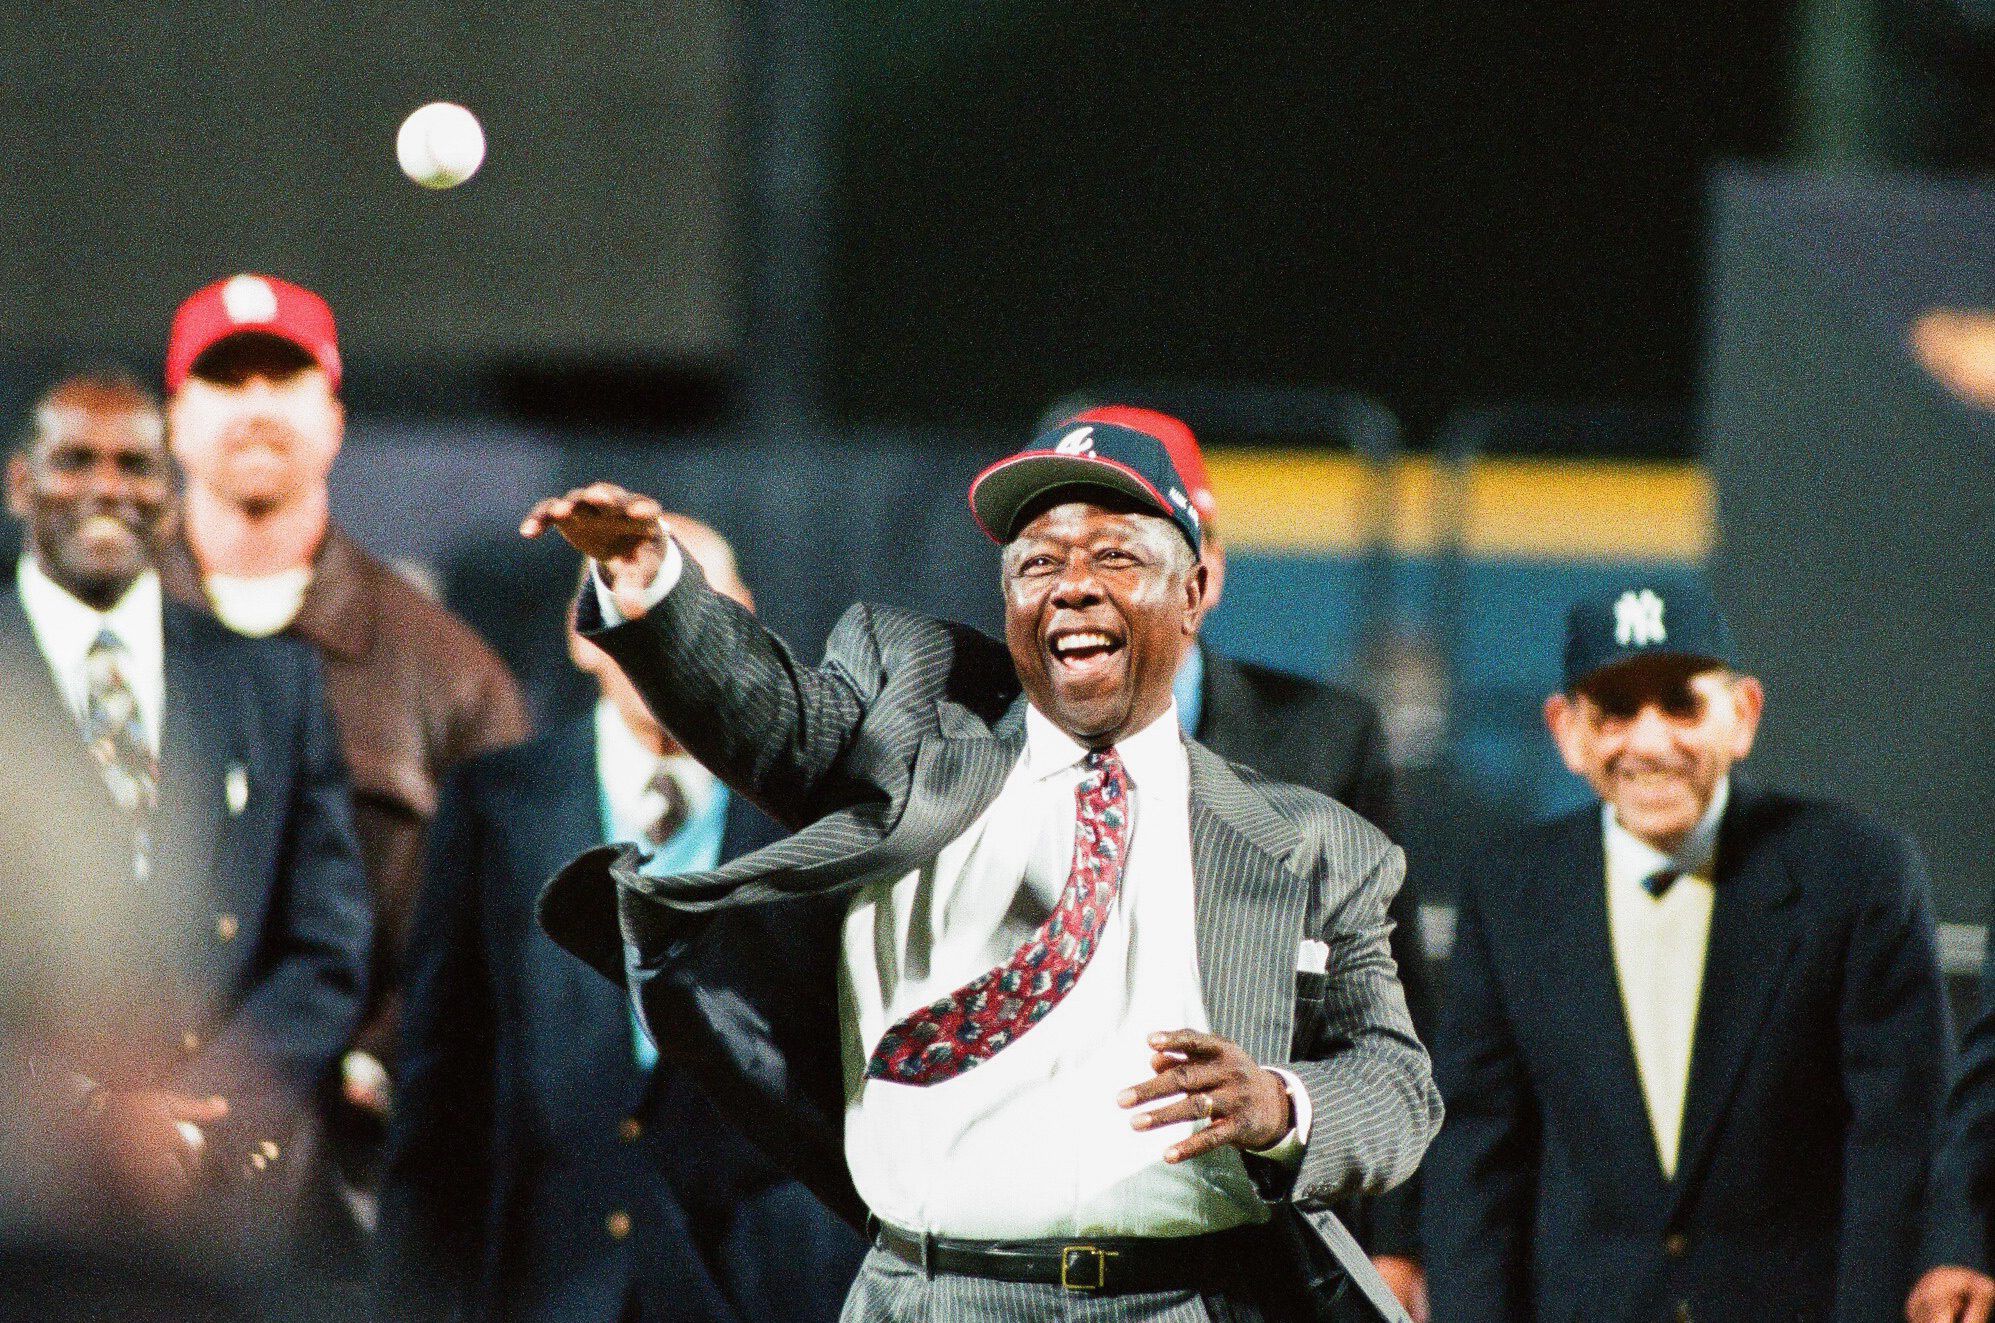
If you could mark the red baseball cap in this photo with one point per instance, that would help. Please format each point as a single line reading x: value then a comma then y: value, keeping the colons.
x: 264, y: 305
x: 1177, y: 439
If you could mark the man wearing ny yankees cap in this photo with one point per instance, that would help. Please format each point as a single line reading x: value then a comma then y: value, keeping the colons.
x: 1695, y: 1040
x: 1098, y: 1023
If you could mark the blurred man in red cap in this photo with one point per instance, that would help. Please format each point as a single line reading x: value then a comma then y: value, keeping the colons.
x: 1313, y: 734
x: 255, y: 420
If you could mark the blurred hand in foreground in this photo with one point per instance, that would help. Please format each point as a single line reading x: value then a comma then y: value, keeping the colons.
x: 1951, y: 1295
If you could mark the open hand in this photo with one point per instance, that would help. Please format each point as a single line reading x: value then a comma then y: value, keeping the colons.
x: 1213, y: 1080
x: 1951, y: 1295
x: 617, y: 529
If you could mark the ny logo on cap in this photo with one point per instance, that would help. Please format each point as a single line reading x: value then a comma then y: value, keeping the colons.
x: 1080, y: 441
x: 249, y: 299
x: 1638, y: 619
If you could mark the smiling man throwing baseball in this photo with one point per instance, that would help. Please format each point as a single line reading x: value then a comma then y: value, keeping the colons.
x: 1111, y: 1017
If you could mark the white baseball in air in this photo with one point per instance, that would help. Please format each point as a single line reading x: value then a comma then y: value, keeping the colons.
x: 440, y: 145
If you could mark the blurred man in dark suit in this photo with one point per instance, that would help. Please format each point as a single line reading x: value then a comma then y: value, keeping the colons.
x: 197, y: 775
x: 1695, y: 1040
x: 1960, y: 1226
x: 1310, y: 734
x: 544, y: 1167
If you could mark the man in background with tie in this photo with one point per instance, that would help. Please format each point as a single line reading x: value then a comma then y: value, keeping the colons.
x: 544, y: 1167
x: 198, y: 778
x: 1113, y: 1020
x: 1695, y: 1041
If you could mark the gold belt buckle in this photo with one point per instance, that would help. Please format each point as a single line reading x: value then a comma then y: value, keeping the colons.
x: 1085, y: 1255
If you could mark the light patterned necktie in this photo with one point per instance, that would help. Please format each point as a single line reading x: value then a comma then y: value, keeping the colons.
x: 978, y: 1020
x: 115, y: 732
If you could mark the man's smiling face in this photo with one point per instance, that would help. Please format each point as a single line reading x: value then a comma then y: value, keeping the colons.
x: 1654, y: 737
x: 94, y: 488
x: 1099, y: 598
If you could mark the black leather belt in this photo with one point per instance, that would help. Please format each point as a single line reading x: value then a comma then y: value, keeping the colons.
x: 1101, y: 1265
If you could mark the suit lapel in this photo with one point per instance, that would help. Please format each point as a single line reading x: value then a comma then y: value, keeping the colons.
x: 958, y: 771
x: 203, y: 710
x: 578, y: 1026
x: 1754, y: 933
x: 34, y: 704
x: 1583, y: 994
x: 1250, y: 908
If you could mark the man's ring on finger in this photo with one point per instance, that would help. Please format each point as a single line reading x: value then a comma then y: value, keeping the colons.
x: 1205, y: 1105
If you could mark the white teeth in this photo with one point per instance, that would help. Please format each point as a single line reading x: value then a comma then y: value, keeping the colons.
x: 103, y: 526
x: 1070, y: 642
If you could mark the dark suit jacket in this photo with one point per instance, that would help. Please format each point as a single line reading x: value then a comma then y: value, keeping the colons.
x: 523, y: 1122
x: 412, y: 691
x: 882, y: 756
x: 1317, y: 735
x: 1961, y: 1222
x: 1820, y: 1057
x: 246, y: 950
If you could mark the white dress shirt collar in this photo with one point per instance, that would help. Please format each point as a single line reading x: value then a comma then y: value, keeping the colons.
x: 65, y: 627
x: 1149, y: 756
x: 1628, y: 855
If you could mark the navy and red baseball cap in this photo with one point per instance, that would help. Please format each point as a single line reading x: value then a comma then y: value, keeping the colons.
x: 246, y: 304
x: 1086, y: 456
x: 1177, y: 438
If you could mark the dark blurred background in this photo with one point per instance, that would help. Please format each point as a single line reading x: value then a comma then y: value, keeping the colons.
x: 1478, y: 307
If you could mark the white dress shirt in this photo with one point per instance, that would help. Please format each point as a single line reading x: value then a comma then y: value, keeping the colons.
x: 1659, y: 948
x: 65, y: 627
x: 1031, y: 1143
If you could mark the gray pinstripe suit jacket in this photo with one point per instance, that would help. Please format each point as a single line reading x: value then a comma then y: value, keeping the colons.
x: 883, y: 755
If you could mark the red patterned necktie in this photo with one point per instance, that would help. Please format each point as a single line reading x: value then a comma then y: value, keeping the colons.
x: 978, y: 1020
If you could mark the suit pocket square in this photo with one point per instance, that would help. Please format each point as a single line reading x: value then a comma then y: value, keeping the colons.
x: 1312, y: 957
x: 235, y: 789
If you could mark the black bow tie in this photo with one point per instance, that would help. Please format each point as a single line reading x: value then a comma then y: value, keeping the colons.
x: 1658, y: 883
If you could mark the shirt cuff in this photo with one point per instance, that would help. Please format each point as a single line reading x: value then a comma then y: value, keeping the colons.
x: 662, y: 583
x: 1288, y: 1149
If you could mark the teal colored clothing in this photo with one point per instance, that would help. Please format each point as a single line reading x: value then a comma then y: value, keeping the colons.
x: 694, y: 848
x: 1189, y: 689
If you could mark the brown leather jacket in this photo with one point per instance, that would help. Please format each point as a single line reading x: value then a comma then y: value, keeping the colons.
x: 412, y: 691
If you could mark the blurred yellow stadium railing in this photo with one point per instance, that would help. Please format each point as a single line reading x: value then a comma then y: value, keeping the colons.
x: 1300, y: 502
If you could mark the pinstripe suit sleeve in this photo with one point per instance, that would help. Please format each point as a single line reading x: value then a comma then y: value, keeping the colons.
x: 741, y: 702
x: 1371, y: 1091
